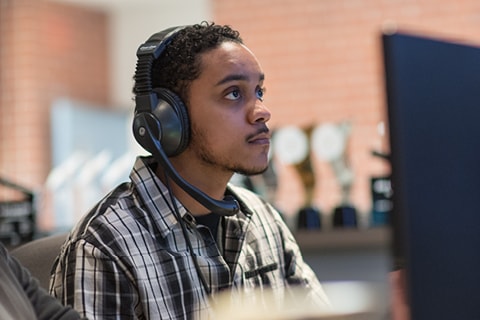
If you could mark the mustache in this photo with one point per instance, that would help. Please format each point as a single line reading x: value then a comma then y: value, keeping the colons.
x: 262, y: 130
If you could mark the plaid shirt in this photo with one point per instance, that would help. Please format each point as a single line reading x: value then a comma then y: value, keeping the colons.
x: 128, y: 258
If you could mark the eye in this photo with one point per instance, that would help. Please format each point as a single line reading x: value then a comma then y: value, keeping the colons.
x: 260, y: 93
x: 233, y: 95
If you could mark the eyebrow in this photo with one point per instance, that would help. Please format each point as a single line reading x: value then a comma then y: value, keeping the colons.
x: 237, y: 77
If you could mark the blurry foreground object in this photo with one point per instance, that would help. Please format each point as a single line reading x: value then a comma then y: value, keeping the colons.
x: 400, y: 308
x: 350, y: 300
x: 433, y: 109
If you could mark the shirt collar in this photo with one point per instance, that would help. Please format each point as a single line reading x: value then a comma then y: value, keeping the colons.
x: 155, y: 195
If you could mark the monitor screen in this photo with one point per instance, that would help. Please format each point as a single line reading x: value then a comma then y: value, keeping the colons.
x: 433, y: 104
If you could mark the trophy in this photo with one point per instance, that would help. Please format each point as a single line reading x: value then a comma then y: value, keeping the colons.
x: 291, y: 145
x: 329, y: 142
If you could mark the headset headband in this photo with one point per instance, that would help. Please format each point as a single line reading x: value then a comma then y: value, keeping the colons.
x: 147, y: 53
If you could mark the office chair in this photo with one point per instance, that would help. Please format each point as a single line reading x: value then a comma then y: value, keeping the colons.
x: 38, y: 256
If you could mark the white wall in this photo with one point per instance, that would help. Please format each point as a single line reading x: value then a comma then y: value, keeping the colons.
x: 131, y: 25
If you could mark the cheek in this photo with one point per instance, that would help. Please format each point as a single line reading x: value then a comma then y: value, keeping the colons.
x: 217, y: 127
x: 229, y: 129
x: 216, y: 134
x: 221, y: 138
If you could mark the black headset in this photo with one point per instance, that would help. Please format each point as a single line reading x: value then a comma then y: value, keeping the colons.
x: 161, y: 125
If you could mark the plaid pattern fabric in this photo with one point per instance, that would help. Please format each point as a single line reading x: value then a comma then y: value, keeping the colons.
x: 128, y: 258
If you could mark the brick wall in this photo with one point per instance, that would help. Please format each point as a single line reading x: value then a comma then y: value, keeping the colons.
x: 321, y: 57
x: 323, y: 64
x: 47, y: 50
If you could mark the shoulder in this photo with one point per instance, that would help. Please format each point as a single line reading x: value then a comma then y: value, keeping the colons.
x: 248, y: 197
x: 113, y: 217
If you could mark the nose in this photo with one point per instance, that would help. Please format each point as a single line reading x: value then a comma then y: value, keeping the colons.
x: 260, y: 113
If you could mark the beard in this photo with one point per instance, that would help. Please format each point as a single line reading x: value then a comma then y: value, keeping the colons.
x: 204, y: 152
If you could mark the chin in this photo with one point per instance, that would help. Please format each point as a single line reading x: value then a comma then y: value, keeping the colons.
x: 252, y: 171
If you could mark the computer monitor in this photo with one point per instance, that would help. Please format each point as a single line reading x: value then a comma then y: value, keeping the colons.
x: 433, y: 107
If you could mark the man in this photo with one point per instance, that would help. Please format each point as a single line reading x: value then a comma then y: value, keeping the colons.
x: 165, y: 245
x: 21, y: 297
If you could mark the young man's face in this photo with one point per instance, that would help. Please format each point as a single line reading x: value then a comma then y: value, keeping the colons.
x: 227, y: 114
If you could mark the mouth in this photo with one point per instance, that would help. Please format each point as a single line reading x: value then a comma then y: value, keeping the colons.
x: 261, y: 137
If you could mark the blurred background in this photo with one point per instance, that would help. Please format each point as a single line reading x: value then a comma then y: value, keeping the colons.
x: 66, y: 69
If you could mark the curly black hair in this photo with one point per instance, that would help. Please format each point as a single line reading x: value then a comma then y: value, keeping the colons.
x: 179, y: 63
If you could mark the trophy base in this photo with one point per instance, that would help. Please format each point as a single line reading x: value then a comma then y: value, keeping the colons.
x: 309, y: 218
x: 345, y: 216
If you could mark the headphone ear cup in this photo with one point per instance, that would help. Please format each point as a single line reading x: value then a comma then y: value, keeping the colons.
x: 173, y: 121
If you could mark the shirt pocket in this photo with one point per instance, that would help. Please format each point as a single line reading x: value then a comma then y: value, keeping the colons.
x: 264, y: 273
